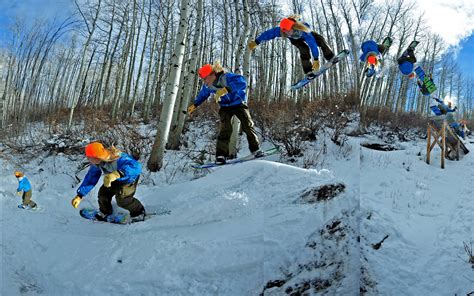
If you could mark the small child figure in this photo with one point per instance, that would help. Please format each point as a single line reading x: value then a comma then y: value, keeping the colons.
x: 24, y: 190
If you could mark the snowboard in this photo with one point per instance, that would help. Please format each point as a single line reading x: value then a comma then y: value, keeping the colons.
x: 21, y: 206
x: 305, y: 81
x: 425, y: 80
x: 237, y: 160
x: 436, y: 110
x: 120, y: 218
x: 413, y: 44
x: 387, y: 42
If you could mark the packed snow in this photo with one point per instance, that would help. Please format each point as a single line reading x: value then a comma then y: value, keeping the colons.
x: 427, y: 213
x: 355, y: 221
x: 243, y: 229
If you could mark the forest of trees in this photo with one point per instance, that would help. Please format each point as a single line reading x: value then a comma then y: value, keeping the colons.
x: 139, y: 58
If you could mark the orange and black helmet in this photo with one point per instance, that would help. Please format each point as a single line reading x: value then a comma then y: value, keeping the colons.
x: 372, y: 60
x: 286, y: 24
x: 97, y: 150
x: 205, y: 71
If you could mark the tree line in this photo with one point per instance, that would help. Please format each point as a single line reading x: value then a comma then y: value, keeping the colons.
x: 140, y: 58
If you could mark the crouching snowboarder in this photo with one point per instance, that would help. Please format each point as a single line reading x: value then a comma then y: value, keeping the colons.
x: 121, y: 174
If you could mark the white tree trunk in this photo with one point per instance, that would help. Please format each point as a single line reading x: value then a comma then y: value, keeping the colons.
x: 176, y: 134
x: 156, y: 158
x: 240, y: 62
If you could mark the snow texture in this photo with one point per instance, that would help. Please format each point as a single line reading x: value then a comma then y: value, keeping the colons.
x: 237, y: 230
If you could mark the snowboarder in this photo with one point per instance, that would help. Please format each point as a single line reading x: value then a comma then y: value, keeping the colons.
x: 371, y: 55
x: 424, y: 86
x: 24, y: 190
x: 229, y: 91
x: 465, y: 129
x: 458, y: 129
x: 302, y: 37
x: 445, y: 108
x: 407, y: 60
x: 121, y: 174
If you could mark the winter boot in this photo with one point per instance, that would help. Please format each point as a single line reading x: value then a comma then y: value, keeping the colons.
x: 259, y: 153
x: 334, y: 60
x: 101, y: 216
x: 220, y: 160
x: 140, y: 217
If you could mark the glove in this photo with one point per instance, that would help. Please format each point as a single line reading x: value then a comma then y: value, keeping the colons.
x: 316, y: 65
x: 191, y: 108
x: 76, y: 201
x: 252, y: 45
x: 19, y: 193
x: 219, y: 93
x: 109, y: 178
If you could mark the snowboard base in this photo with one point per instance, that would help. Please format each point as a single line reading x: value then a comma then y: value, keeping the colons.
x: 237, y: 160
x: 305, y: 81
x: 121, y: 218
x: 21, y: 206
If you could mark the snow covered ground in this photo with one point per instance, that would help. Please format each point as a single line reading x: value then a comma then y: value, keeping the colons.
x: 427, y: 213
x: 259, y: 227
x: 239, y: 230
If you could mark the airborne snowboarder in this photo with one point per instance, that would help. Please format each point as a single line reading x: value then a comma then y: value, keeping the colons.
x: 301, y: 36
x: 407, y: 60
x: 424, y: 86
x: 442, y: 108
x: 372, y: 53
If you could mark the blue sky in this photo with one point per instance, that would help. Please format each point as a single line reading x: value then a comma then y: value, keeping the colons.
x: 30, y: 10
x: 466, y: 56
x: 453, y: 20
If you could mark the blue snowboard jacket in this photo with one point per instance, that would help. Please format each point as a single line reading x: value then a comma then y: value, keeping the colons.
x: 24, y: 185
x: 369, y: 47
x: 442, y: 105
x: 234, y: 83
x: 406, y: 68
x: 128, y: 168
x: 306, y: 36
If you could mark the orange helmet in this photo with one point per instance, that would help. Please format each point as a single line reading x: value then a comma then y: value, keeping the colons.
x: 205, y: 71
x: 286, y: 24
x: 97, y: 150
x: 372, y: 60
x: 19, y: 174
